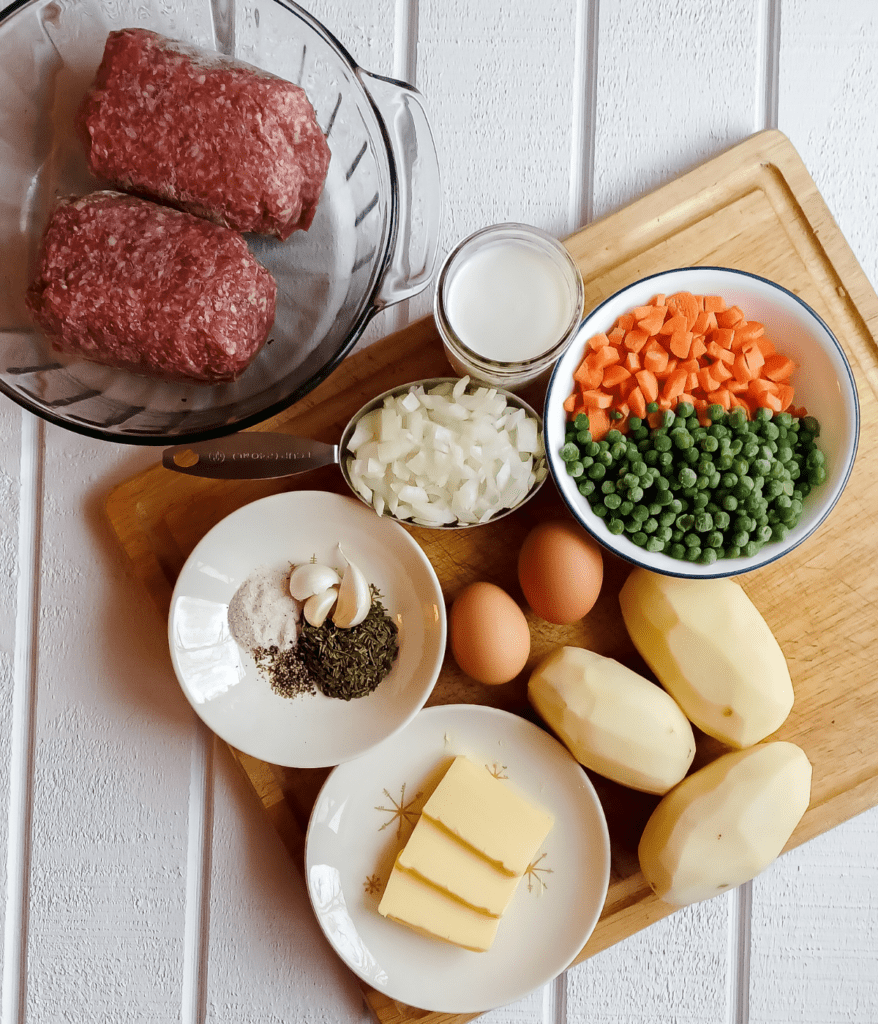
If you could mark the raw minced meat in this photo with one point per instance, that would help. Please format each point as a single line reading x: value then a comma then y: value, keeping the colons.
x: 143, y: 287
x: 217, y: 137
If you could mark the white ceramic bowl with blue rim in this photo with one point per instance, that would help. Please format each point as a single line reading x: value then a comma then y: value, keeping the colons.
x: 823, y: 382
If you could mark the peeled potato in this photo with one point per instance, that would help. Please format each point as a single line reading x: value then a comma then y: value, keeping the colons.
x: 613, y: 721
x: 712, y: 651
x: 725, y: 823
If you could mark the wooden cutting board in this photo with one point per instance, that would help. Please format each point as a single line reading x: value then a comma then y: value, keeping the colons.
x: 755, y: 208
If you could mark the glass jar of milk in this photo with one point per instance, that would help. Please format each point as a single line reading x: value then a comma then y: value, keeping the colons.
x: 508, y: 301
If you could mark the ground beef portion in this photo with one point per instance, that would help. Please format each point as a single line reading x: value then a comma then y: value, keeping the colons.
x: 207, y: 134
x: 131, y: 284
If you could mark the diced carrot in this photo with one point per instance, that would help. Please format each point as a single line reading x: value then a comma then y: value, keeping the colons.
x: 597, y: 399
x: 716, y: 351
x: 624, y: 389
x: 669, y: 368
x: 673, y: 324
x: 750, y: 330
x: 720, y: 371
x: 729, y: 317
x: 680, y: 344
x: 723, y: 336
x: 648, y: 384
x: 655, y: 360
x: 587, y: 376
x: 687, y: 306
x: 785, y: 394
x: 778, y: 367
x: 742, y: 369
x: 706, y: 379
x: 635, y: 340
x: 637, y: 403
x: 654, y: 419
x: 674, y: 384
x: 653, y: 324
x: 614, y: 375
x: 704, y: 322
x: 766, y: 345
x: 606, y: 356
x: 722, y: 397
x: 760, y: 387
x: 598, y: 423
x: 688, y: 348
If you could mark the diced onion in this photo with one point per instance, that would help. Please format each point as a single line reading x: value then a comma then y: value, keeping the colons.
x: 454, y: 454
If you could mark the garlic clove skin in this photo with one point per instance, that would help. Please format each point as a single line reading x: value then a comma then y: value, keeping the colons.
x: 354, y: 596
x: 318, y: 606
x: 311, y: 578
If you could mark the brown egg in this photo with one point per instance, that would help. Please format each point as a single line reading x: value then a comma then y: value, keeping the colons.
x: 560, y: 570
x: 488, y: 634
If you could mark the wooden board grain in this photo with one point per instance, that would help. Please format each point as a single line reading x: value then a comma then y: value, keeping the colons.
x: 754, y: 208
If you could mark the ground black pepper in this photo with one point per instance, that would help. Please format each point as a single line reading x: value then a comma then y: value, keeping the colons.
x: 286, y: 673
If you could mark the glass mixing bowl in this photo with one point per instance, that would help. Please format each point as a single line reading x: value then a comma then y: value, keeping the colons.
x: 373, y: 241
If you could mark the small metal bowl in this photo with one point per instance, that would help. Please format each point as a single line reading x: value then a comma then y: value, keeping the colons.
x: 259, y: 455
x: 345, y: 458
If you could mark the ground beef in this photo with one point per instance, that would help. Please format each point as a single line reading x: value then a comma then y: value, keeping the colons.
x: 207, y: 134
x: 131, y: 284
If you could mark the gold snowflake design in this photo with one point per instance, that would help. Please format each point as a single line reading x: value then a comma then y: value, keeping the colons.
x: 401, y: 813
x: 372, y: 885
x: 534, y: 875
x: 497, y: 770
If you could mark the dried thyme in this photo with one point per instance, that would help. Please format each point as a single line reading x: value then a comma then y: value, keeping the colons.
x: 349, y: 663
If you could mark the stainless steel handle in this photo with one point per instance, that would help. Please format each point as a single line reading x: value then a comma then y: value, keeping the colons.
x: 250, y: 456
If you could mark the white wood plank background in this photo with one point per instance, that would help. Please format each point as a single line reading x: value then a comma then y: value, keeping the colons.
x: 139, y: 880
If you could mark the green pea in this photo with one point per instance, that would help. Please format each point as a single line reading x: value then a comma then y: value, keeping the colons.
x: 570, y: 452
x: 581, y: 421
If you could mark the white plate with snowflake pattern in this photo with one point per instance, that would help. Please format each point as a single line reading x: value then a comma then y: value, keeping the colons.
x: 365, y: 813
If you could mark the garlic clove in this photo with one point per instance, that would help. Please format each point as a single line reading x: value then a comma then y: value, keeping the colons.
x: 318, y: 606
x: 354, y: 596
x: 312, y: 578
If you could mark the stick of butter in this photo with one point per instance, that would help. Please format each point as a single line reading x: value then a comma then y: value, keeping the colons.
x: 457, y: 873
x: 432, y: 912
x: 437, y: 857
x: 488, y: 815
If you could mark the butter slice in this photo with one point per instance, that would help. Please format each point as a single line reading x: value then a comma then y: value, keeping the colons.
x: 437, y: 857
x: 488, y: 814
x: 426, y: 909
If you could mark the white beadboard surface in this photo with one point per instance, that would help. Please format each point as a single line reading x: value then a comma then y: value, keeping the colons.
x: 139, y: 881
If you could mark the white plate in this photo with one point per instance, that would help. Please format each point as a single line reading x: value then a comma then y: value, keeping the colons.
x: 221, y: 680
x: 364, y: 815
